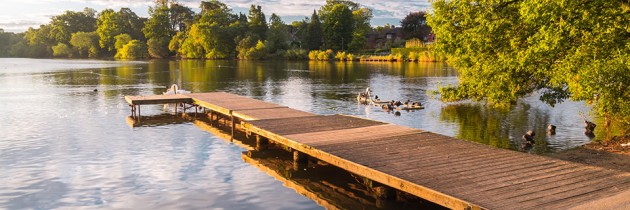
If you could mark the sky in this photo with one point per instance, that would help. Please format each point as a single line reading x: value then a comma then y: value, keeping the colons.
x: 19, y: 15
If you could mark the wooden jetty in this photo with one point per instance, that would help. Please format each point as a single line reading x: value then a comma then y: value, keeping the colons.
x: 450, y: 172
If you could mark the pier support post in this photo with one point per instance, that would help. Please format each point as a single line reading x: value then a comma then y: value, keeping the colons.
x: 384, y: 192
x: 299, y: 157
x: 299, y: 160
x: 261, y: 142
x: 233, y: 125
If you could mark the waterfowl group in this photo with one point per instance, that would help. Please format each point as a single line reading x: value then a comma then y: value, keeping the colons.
x: 366, y: 98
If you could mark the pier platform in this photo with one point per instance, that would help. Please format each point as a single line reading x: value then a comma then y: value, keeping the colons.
x: 447, y: 171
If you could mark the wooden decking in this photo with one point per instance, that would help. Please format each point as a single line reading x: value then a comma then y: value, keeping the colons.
x: 448, y: 171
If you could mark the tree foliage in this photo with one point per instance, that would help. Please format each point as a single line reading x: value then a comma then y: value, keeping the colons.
x: 135, y: 49
x: 158, y: 31
x: 565, y: 49
x: 108, y: 27
x: 62, y: 50
x: 257, y: 24
x: 277, y: 37
x: 415, y: 25
x: 338, y: 26
x: 345, y: 25
x: 86, y: 44
x: 64, y: 25
x: 315, y: 34
x: 7, y: 41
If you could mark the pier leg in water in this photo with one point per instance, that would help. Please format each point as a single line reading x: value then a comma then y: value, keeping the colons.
x: 211, y: 117
x: 261, y: 142
x: 384, y: 193
x: 233, y: 125
x: 299, y: 160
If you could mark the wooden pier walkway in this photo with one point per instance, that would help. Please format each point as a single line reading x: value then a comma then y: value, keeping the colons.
x: 444, y: 170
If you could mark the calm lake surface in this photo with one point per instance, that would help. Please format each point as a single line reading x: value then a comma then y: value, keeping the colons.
x: 63, y: 145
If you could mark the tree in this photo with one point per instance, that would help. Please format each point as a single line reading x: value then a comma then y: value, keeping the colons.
x: 415, y: 25
x: 122, y: 40
x: 135, y: 49
x: 130, y: 23
x: 62, y: 50
x: 108, y: 27
x: 180, y: 17
x: 86, y: 44
x: 299, y: 33
x: 158, y: 31
x: 345, y: 24
x: 315, y: 34
x: 565, y: 49
x: 338, y: 27
x: 257, y: 24
x: 38, y: 42
x: 7, y: 40
x: 64, y: 25
x: 214, y: 32
x: 277, y: 35
x: 362, y: 27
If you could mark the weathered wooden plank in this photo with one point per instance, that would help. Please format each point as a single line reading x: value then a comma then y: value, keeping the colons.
x: 313, y: 124
x: 272, y: 113
x: 569, y: 194
x: 157, y: 99
x: 608, y: 199
x: 221, y: 101
x: 557, y: 191
x: 365, y: 133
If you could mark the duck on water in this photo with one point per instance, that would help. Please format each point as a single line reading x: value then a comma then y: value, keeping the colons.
x: 366, y: 98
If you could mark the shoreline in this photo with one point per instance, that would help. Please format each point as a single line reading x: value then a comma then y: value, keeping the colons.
x: 606, y: 154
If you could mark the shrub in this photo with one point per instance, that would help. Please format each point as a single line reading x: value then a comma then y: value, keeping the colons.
x: 341, y: 56
x: 350, y: 57
x: 312, y: 55
x: 413, y: 56
x: 296, y: 54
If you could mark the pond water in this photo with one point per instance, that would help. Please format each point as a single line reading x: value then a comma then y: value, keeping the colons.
x: 64, y: 145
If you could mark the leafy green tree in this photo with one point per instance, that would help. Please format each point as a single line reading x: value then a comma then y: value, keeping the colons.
x: 86, y: 44
x: 362, y: 27
x: 108, y: 27
x: 122, y: 40
x: 158, y: 47
x: 158, y: 31
x: 338, y: 27
x: 300, y: 33
x: 38, y: 42
x: 135, y: 49
x: 277, y: 37
x: 214, y: 32
x: 62, y: 50
x: 111, y: 24
x: 257, y: 23
x: 176, y: 42
x: 565, y: 49
x: 415, y: 25
x: 7, y: 41
x: 64, y: 25
x: 325, y: 10
x: 315, y: 34
x: 180, y: 17
x: 191, y: 45
x: 130, y: 23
